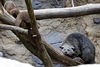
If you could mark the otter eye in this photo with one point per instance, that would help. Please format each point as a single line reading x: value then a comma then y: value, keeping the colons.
x: 61, y: 47
x: 73, y: 49
x: 68, y: 50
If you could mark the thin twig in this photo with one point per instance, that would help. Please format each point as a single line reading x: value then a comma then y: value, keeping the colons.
x: 14, y: 28
x: 72, y: 3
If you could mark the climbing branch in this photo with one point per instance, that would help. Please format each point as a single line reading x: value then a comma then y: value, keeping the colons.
x: 42, y: 52
x: 67, y: 12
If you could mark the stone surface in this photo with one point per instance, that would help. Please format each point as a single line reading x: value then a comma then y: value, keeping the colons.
x: 1, y: 54
x: 12, y: 50
x: 36, y: 4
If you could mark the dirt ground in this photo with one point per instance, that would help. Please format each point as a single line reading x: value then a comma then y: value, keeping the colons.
x: 65, y: 26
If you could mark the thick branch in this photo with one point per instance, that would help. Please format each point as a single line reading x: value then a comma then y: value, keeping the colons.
x: 32, y: 17
x: 42, y: 52
x: 67, y: 12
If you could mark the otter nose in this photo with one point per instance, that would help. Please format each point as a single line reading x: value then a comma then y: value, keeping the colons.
x: 61, y: 47
x: 65, y: 52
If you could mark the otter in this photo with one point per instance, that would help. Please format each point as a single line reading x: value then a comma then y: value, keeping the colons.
x: 11, y: 8
x: 9, y: 5
x: 78, y: 45
x: 14, y: 12
x: 23, y: 20
x: 23, y: 17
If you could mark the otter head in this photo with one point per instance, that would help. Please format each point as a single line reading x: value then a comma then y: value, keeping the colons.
x: 70, y: 50
x: 67, y: 50
x: 14, y: 12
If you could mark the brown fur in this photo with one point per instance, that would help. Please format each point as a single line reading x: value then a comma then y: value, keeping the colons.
x: 23, y: 17
x: 14, y: 12
x: 11, y: 8
x: 9, y: 5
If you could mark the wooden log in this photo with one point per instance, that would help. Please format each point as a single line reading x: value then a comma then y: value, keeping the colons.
x: 67, y: 12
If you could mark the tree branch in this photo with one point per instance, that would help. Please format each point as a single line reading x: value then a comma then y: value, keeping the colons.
x: 15, y: 28
x: 72, y: 3
x: 67, y: 12
x: 42, y: 52
x: 5, y: 16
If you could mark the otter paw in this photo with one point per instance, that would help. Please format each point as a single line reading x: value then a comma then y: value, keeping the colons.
x: 78, y: 60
